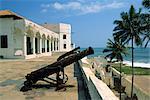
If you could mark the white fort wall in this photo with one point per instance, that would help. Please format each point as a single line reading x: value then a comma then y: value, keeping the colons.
x: 65, y: 30
x: 27, y: 39
x: 6, y: 28
x: 62, y: 29
x: 18, y: 39
x: 14, y: 36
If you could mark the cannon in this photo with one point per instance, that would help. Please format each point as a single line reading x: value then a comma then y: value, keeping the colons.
x: 68, y: 53
x: 54, y: 68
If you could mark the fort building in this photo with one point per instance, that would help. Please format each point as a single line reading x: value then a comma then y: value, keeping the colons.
x: 22, y: 38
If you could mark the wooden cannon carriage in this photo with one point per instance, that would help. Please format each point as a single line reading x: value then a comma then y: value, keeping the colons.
x: 55, y: 68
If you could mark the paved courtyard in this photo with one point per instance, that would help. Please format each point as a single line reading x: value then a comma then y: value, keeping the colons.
x: 12, y: 76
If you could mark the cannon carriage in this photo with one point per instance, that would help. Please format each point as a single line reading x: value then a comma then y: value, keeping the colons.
x: 55, y: 68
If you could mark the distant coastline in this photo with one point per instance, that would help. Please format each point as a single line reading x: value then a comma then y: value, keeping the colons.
x: 137, y: 64
x: 141, y: 56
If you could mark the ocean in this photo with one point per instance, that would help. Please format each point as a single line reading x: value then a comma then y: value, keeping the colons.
x: 141, y: 56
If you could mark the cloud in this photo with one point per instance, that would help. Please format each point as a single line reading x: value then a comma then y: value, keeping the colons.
x: 92, y: 7
x: 82, y: 7
x: 45, y: 5
x: 114, y: 5
x: 44, y: 10
x: 70, y: 5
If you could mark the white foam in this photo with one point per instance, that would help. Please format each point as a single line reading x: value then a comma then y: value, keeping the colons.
x: 137, y: 64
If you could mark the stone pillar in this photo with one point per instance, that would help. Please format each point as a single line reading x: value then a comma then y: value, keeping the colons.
x: 25, y: 45
x: 55, y: 45
x: 33, y: 45
x: 40, y: 45
x: 45, y: 45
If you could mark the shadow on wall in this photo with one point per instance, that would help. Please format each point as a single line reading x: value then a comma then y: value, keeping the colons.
x: 83, y: 93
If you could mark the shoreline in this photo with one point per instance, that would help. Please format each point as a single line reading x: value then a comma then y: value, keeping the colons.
x: 137, y: 64
x: 129, y: 63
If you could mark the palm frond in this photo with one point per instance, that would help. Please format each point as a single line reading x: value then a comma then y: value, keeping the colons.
x: 106, y: 50
x: 146, y: 4
x: 115, y: 49
x: 147, y: 43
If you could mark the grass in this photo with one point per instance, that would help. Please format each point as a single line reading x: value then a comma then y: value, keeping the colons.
x: 128, y: 70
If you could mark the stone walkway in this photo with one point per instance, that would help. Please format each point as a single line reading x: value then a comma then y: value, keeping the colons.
x: 12, y: 76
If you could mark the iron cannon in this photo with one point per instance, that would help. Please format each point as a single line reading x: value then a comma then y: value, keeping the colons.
x: 68, y: 53
x: 55, y: 68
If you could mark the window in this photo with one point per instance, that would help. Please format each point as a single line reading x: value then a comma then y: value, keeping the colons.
x: 4, y: 43
x: 64, y: 36
x: 64, y: 46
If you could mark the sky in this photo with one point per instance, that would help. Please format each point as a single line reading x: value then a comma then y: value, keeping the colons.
x: 91, y: 20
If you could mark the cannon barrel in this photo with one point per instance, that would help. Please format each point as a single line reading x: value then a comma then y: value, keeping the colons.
x: 57, y: 66
x: 68, y: 53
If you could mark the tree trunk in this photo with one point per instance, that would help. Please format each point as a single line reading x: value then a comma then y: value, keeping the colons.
x: 120, y: 79
x: 132, y: 68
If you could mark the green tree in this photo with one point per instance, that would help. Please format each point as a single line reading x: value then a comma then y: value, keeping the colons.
x: 128, y: 28
x: 117, y: 50
x: 146, y: 3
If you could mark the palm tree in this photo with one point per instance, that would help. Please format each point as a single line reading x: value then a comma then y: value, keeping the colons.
x: 116, y: 50
x: 128, y: 29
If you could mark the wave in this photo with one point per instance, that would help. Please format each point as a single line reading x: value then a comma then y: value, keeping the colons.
x: 137, y: 64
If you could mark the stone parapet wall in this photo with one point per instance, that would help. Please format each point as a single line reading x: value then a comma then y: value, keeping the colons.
x: 98, y: 90
x: 127, y: 83
x: 140, y: 94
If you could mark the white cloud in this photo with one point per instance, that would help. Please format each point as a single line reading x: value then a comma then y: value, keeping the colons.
x: 82, y: 7
x: 114, y: 5
x: 85, y: 8
x: 70, y: 5
x: 45, y: 5
x: 44, y: 10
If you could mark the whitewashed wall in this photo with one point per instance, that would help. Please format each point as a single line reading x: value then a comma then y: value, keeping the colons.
x: 18, y: 38
x: 8, y: 27
x: 62, y: 29
x: 65, y: 29
x: 16, y: 30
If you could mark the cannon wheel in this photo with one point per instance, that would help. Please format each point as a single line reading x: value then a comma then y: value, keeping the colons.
x: 65, y: 78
